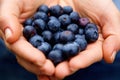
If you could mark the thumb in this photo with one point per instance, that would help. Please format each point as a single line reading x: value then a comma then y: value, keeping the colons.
x: 112, y: 40
x: 9, y: 23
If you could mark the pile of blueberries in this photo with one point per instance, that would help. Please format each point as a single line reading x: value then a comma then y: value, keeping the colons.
x: 59, y: 32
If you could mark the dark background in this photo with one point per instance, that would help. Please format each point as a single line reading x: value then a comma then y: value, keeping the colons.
x: 11, y: 70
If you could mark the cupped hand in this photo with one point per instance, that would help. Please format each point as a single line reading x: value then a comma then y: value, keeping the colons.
x: 99, y: 11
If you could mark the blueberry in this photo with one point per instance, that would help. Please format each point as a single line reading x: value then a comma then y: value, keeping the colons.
x: 58, y: 46
x: 54, y: 25
x: 67, y: 36
x: 45, y: 48
x: 28, y: 22
x: 74, y: 17
x: 67, y: 9
x: 56, y: 37
x: 65, y: 19
x: 79, y: 36
x: 41, y: 15
x: 73, y: 28
x: 82, y: 43
x: 91, y: 34
x: 56, y: 10
x: 36, y: 40
x: 91, y: 25
x: 56, y: 56
x: 81, y: 31
x: 83, y: 21
x: 70, y: 50
x: 29, y: 31
x: 52, y: 17
x: 43, y: 8
x: 39, y: 25
x: 47, y: 35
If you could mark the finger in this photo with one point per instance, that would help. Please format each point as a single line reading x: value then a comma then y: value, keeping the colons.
x: 92, y: 54
x: 9, y: 23
x: 38, y: 70
x: 28, y: 66
x: 112, y: 40
x: 62, y: 70
x: 26, y: 51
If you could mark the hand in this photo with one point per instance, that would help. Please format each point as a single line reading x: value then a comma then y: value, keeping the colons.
x: 12, y: 14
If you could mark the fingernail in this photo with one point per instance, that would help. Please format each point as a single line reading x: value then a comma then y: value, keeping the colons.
x: 8, y: 33
x: 113, y: 56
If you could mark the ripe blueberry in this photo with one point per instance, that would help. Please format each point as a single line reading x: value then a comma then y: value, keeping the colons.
x: 45, y: 48
x: 29, y: 31
x: 74, y: 17
x: 47, y: 35
x: 36, y: 40
x: 43, y: 8
x: 56, y: 56
x: 67, y: 9
x: 73, y: 28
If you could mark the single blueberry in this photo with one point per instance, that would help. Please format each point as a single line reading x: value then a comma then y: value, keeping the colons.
x: 91, y: 25
x: 74, y: 17
x: 45, y: 48
x: 73, y: 27
x: 41, y: 15
x: 39, y: 25
x: 54, y: 25
x: 52, y: 17
x: 82, y: 43
x: 28, y: 22
x: 58, y: 46
x: 36, y: 40
x: 64, y: 19
x: 56, y: 56
x: 43, y: 8
x: 91, y: 34
x: 67, y: 36
x: 79, y: 36
x: 56, y: 10
x: 47, y: 35
x: 29, y: 31
x: 56, y: 37
x: 67, y: 9
x: 83, y: 21
x: 70, y: 50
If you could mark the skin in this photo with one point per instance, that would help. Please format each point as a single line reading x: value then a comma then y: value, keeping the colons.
x: 102, y: 12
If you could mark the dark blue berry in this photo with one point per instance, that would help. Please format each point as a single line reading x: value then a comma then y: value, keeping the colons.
x: 74, y: 17
x: 58, y: 46
x: 54, y: 25
x: 82, y: 43
x: 56, y: 10
x: 91, y: 25
x: 56, y: 56
x: 71, y: 49
x: 39, y: 25
x: 36, y: 40
x: 41, y: 15
x: 28, y: 22
x: 45, y: 48
x: 52, y: 17
x: 47, y: 35
x: 43, y: 8
x: 67, y: 36
x: 29, y: 31
x: 67, y: 9
x: 56, y: 37
x: 73, y: 27
x: 91, y: 34
x: 83, y: 21
x: 79, y: 36
x: 65, y: 20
